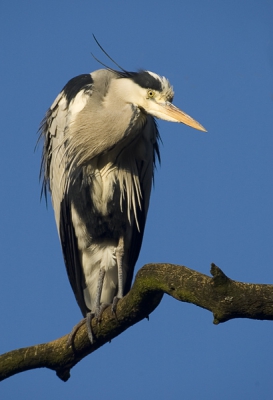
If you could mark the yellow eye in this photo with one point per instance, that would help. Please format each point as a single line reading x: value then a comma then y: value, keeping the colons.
x: 150, y: 93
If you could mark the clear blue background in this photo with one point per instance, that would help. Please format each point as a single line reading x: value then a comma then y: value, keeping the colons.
x: 212, y: 200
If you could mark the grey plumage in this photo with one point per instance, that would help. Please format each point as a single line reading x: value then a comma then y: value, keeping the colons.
x: 100, y: 150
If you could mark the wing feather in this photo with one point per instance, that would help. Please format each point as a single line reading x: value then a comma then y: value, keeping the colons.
x: 146, y: 174
x: 71, y: 253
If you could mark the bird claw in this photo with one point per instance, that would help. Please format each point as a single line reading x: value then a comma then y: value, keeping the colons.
x: 72, y: 334
x: 87, y: 321
x: 100, y: 310
x: 114, y: 304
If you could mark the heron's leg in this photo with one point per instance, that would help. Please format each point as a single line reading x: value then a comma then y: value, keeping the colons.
x: 119, y: 255
x: 88, y: 319
x: 89, y: 316
x: 98, y: 293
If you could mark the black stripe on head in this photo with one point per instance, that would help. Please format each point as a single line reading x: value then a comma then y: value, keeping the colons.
x: 147, y: 81
x: 142, y: 78
x: 75, y: 85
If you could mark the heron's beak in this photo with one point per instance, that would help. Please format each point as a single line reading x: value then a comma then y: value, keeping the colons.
x: 169, y: 112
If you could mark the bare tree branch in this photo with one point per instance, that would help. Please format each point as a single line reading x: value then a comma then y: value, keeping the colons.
x: 225, y: 298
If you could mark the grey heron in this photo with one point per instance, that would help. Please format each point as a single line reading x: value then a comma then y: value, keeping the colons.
x: 101, y: 144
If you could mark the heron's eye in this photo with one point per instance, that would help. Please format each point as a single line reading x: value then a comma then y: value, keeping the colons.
x: 150, y: 93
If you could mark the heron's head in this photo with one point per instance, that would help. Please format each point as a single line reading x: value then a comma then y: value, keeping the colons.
x: 153, y: 94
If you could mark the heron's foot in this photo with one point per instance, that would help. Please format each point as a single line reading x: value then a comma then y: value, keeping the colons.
x: 89, y: 317
x: 114, y: 304
x: 74, y: 331
x: 100, y: 310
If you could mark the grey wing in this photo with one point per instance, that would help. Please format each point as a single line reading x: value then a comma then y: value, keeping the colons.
x: 54, y: 129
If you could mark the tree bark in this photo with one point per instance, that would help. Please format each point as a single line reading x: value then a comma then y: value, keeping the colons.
x: 225, y: 298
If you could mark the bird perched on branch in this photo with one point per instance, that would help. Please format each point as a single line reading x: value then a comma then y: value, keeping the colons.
x: 99, y: 153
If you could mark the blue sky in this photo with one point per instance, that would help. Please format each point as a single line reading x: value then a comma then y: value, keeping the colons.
x: 212, y: 200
